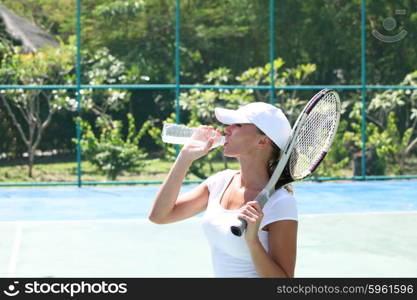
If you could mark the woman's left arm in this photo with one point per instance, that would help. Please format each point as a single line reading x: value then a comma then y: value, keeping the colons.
x: 279, y: 261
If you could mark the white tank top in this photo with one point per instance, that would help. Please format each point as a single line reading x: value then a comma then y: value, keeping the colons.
x: 230, y: 254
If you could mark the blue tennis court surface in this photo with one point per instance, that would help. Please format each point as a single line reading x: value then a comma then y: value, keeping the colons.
x: 346, y: 229
x: 126, y: 202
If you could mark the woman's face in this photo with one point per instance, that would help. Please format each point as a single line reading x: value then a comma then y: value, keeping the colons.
x: 241, y: 139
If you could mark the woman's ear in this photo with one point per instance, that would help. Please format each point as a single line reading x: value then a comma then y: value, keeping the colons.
x: 264, y: 141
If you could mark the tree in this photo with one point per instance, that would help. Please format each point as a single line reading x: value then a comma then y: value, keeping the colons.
x: 31, y: 110
x: 102, y: 68
x: 234, y: 34
x: 326, y: 33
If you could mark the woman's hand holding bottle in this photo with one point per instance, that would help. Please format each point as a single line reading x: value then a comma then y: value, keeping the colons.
x: 200, y: 143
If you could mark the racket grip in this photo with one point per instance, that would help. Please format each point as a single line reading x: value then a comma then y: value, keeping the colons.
x: 239, y: 228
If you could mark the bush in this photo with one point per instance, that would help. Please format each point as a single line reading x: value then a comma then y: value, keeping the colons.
x: 110, y: 153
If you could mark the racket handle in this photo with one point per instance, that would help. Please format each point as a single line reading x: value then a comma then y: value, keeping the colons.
x: 241, y: 224
x: 239, y: 228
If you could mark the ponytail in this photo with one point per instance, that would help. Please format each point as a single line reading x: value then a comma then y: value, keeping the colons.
x: 272, y: 165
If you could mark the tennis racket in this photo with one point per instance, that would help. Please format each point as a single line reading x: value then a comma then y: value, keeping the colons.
x: 308, y: 144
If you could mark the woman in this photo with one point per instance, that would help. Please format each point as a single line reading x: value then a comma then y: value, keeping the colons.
x: 255, y: 134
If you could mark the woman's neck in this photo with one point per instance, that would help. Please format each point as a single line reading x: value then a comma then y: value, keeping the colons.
x: 253, y: 174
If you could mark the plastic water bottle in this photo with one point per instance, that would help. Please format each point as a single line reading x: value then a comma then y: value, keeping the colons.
x: 181, y: 134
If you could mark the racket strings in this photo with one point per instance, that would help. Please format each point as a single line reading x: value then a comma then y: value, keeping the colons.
x: 315, y: 136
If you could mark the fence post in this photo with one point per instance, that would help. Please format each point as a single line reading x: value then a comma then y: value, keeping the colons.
x: 272, y: 48
x: 177, y: 65
x: 78, y: 92
x: 363, y: 86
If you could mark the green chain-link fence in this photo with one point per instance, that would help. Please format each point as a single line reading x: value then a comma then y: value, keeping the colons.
x: 363, y: 88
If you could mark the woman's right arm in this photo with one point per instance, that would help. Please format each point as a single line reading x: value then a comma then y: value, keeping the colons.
x: 168, y: 207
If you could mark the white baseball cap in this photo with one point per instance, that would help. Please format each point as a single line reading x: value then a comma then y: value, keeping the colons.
x: 268, y: 118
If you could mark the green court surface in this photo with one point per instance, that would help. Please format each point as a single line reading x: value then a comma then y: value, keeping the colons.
x: 329, y: 245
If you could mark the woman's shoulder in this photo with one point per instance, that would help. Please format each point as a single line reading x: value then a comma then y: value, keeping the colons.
x: 282, y: 196
x: 283, y: 192
x: 281, y: 206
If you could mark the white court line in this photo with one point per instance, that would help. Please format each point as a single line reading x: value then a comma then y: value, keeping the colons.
x: 15, y: 250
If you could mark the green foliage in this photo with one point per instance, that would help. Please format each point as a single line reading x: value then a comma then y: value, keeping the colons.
x: 390, y: 138
x: 133, y: 41
x: 109, y: 152
x: 31, y: 110
x: 43, y: 67
x: 393, y: 116
x: 377, y: 142
x: 198, y: 105
x: 102, y: 68
x: 390, y: 145
x: 117, y: 9
x: 155, y: 133
x: 338, y: 157
x: 202, y: 102
x: 55, y: 16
